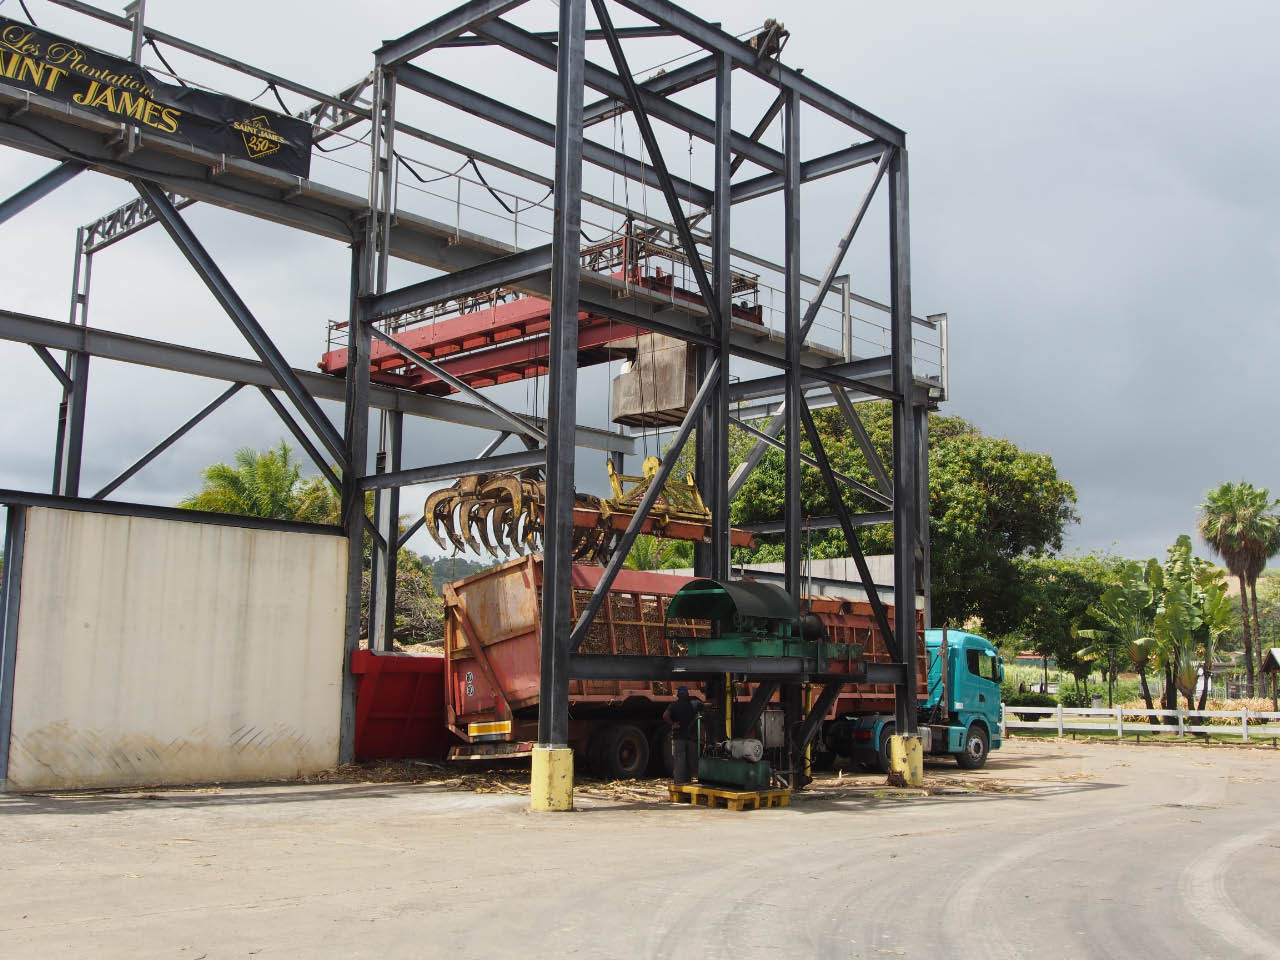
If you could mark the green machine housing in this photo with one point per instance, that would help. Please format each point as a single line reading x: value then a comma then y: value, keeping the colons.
x: 754, y: 619
x: 758, y: 620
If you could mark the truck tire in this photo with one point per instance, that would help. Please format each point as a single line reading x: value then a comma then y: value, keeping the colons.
x: 976, y: 747
x: 882, y: 754
x: 660, y: 762
x: 623, y: 752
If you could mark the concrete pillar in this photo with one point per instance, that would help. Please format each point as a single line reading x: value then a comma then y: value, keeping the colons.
x: 551, y: 782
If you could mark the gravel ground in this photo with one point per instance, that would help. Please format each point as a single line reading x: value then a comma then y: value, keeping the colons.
x: 1056, y: 849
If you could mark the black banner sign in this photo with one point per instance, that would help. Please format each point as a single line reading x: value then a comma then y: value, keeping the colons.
x: 54, y: 67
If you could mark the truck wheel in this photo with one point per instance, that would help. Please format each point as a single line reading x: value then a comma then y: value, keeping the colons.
x: 660, y: 763
x: 882, y: 755
x: 623, y: 753
x: 976, y: 746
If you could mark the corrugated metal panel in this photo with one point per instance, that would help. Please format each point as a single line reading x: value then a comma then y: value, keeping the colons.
x: 152, y: 651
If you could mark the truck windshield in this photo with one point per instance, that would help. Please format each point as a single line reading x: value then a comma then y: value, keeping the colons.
x: 980, y: 665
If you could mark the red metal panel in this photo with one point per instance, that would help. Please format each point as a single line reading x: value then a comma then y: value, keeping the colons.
x: 399, y: 706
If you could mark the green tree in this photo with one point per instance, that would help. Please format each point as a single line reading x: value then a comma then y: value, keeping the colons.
x: 658, y: 553
x: 266, y: 484
x: 991, y: 504
x: 1237, y: 522
x: 1126, y: 610
x: 1055, y: 599
x: 270, y: 484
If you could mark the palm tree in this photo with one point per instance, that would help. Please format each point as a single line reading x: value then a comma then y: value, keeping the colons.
x: 1237, y: 523
x: 267, y: 484
x: 656, y: 553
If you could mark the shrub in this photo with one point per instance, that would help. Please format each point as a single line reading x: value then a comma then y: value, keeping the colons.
x: 1031, y: 700
x: 1072, y: 698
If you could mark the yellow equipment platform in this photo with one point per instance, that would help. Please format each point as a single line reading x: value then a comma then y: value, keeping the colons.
x: 696, y: 793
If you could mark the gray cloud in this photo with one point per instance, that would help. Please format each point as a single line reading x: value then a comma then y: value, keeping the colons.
x: 1092, y: 202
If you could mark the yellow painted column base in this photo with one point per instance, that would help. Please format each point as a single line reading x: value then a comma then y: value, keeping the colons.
x: 551, y: 782
x: 906, y: 761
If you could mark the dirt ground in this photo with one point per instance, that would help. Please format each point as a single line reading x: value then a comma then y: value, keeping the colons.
x: 1057, y: 848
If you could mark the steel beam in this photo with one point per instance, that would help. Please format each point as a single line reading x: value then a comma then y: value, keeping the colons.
x: 69, y: 444
x: 669, y: 111
x: 593, y: 666
x: 492, y: 446
x: 124, y: 348
x: 450, y: 471
x: 744, y: 56
x: 665, y: 180
x: 527, y: 125
x: 841, y: 160
x: 906, y: 529
x: 58, y: 373
x: 566, y: 275
x: 514, y: 421
x: 763, y: 437
x: 241, y: 316
x: 874, y: 463
x: 842, y: 248
x: 855, y: 371
x: 40, y: 187
x: 483, y: 277
x: 851, y: 538
x: 821, y: 523
x: 756, y: 706
x: 168, y: 441
x: 626, y: 32
x: 793, y: 380
x: 300, y: 435
x: 663, y: 85
x: 15, y: 537
x: 757, y: 452
x: 651, y: 494
x: 449, y: 26
x: 408, y: 534
x: 826, y: 700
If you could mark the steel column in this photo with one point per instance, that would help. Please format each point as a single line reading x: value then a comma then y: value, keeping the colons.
x: 382, y: 615
x: 925, y: 570
x: 794, y: 390
x: 723, y: 286
x: 566, y: 270
x: 15, y: 536
x: 356, y: 434
x: 906, y: 529
x: 69, y: 445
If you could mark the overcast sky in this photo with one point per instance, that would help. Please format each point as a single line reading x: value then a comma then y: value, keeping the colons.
x: 1093, y: 202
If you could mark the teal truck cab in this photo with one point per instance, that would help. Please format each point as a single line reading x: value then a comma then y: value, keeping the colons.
x: 959, y: 712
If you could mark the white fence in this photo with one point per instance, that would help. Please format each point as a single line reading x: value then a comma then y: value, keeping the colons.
x: 1251, y: 723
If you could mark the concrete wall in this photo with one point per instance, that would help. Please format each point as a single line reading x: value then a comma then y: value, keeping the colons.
x: 157, y: 651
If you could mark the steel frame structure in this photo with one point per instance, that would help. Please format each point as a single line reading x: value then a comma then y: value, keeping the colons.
x: 170, y: 177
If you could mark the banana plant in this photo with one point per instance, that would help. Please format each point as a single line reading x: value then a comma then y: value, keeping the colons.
x: 1127, y: 609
